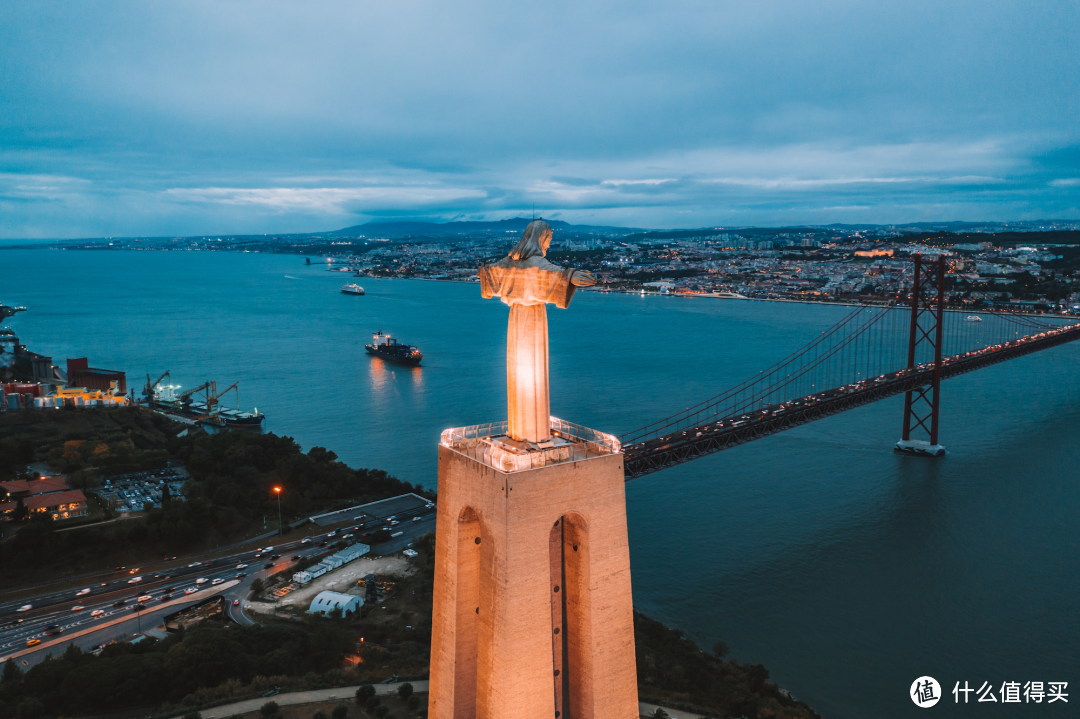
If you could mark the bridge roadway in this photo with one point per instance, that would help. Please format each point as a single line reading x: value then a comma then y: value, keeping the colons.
x: 684, y: 445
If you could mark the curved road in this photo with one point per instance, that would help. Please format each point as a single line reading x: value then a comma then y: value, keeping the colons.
x: 54, y: 613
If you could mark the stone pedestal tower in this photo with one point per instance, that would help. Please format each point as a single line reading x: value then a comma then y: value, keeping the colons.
x: 533, y: 616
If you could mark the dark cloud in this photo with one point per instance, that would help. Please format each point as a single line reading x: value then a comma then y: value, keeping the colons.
x: 175, y: 118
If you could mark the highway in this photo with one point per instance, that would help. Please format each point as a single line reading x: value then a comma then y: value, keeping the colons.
x: 54, y: 613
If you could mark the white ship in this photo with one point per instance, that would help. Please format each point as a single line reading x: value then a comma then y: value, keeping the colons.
x: 973, y: 318
x: 728, y: 296
x: 353, y: 289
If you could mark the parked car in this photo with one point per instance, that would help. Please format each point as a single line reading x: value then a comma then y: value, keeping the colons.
x: 409, y: 552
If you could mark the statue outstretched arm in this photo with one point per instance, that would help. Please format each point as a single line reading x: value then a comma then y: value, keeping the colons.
x: 581, y: 278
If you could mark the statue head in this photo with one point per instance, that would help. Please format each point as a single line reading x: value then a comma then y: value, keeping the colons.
x: 534, y: 242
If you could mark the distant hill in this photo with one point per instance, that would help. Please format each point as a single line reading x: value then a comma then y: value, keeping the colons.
x: 409, y: 228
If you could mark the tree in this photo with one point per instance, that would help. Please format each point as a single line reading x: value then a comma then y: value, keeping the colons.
x: 720, y: 649
x: 20, y: 510
x: 269, y: 709
x: 257, y: 587
x: 659, y: 713
x: 193, y: 715
x: 166, y: 496
x: 12, y: 674
x: 320, y: 715
x: 340, y: 711
x: 363, y: 692
x: 405, y: 690
x: 381, y: 711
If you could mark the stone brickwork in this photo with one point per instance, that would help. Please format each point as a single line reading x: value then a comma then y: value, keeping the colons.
x: 532, y: 577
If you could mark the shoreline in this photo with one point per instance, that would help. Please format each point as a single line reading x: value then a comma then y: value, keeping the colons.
x: 705, y: 295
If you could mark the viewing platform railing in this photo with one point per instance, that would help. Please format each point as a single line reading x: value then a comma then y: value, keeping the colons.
x: 570, y: 443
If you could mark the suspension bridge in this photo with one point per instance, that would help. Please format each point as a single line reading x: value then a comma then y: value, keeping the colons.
x: 869, y: 355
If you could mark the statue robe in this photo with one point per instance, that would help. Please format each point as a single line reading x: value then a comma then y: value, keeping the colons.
x: 527, y: 286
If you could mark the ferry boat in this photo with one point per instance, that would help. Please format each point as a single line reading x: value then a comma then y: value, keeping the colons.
x: 728, y: 296
x: 390, y: 349
x: 353, y: 289
x: 973, y: 318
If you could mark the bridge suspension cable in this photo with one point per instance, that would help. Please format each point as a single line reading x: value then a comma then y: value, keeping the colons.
x: 870, y: 344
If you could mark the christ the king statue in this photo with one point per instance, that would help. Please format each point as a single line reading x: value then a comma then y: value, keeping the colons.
x: 526, y: 281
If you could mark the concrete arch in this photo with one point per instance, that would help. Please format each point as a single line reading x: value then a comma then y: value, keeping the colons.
x: 571, y: 617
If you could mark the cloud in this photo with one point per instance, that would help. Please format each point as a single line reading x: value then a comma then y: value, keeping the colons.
x: 335, y: 199
x: 272, y: 116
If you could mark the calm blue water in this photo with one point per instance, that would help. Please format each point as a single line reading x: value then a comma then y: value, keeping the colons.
x: 847, y: 570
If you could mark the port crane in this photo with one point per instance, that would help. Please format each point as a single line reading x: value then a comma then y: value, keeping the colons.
x: 185, y: 397
x: 213, y: 397
x: 148, y: 392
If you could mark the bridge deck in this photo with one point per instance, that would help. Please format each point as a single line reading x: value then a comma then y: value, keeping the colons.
x: 684, y: 445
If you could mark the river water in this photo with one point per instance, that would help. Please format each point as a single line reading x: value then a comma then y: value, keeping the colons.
x: 849, y: 571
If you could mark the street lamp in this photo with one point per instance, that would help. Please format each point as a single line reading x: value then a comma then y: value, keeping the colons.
x: 281, y: 529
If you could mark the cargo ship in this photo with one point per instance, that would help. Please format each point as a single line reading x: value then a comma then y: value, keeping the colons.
x: 166, y: 400
x: 390, y: 349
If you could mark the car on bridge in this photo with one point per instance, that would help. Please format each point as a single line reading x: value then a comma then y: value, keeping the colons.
x: 241, y: 566
x: 25, y: 608
x: 32, y: 642
x: 97, y: 612
x: 78, y: 608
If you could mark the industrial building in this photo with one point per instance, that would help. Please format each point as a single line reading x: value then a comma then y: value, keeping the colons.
x: 326, y: 602
x: 354, y: 551
x: 81, y: 374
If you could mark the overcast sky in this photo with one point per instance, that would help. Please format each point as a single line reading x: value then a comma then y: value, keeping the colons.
x: 183, y: 118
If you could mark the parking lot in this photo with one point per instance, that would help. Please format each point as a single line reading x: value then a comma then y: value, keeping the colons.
x: 134, y: 489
